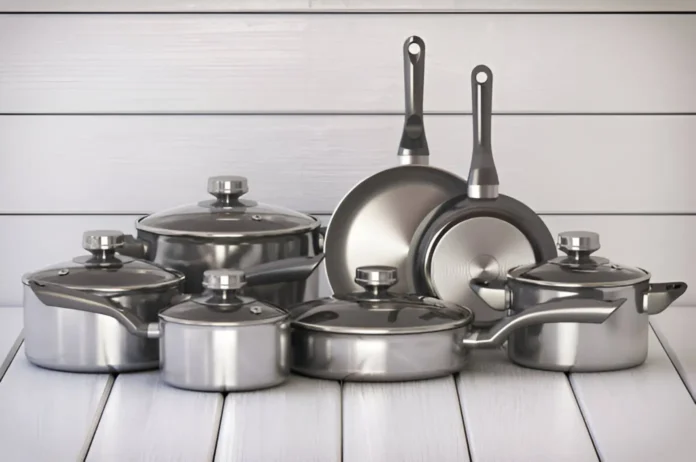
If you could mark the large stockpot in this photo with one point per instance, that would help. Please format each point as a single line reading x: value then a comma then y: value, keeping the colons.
x: 619, y: 343
x: 231, y: 232
x: 376, y: 335
x: 60, y: 338
x: 219, y: 340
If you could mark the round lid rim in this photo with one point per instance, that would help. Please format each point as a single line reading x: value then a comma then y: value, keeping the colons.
x: 227, y: 235
x: 513, y: 275
x: 384, y: 331
x: 189, y: 322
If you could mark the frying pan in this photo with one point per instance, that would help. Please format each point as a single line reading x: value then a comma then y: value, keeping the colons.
x: 375, y: 222
x: 480, y: 234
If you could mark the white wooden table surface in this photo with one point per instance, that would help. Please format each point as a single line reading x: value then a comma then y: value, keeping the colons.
x: 491, y: 412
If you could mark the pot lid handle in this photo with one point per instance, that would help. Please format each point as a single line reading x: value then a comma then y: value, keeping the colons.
x: 226, y: 188
x: 578, y: 243
x: 375, y: 278
x: 224, y: 279
x: 102, y: 244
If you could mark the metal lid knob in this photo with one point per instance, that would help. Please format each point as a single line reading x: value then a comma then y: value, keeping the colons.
x: 224, y: 279
x: 376, y: 276
x: 578, y: 241
x: 227, y: 185
x: 100, y: 240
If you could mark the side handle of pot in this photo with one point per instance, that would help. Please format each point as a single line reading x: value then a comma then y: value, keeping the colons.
x: 133, y: 247
x: 495, y: 293
x: 285, y: 270
x: 62, y: 297
x: 565, y: 310
x: 660, y: 295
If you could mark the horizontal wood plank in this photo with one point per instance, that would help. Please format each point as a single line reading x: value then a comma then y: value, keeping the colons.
x: 298, y: 63
x: 299, y: 420
x: 675, y: 330
x: 644, y: 413
x: 318, y: 6
x: 158, y: 422
x: 139, y: 164
x: 48, y: 416
x: 403, y: 422
x: 10, y: 336
x: 661, y: 244
x: 541, y: 417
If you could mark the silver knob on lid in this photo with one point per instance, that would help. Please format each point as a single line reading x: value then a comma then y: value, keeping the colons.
x: 578, y: 241
x: 376, y: 276
x: 101, y: 240
x: 227, y: 185
x: 224, y: 279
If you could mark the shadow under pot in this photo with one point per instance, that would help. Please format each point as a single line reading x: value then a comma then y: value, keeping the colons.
x: 219, y: 340
x: 619, y: 343
x: 232, y: 232
x: 377, y: 335
x: 61, y: 330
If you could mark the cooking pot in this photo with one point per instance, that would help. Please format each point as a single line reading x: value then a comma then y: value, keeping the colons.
x: 619, y: 343
x: 231, y: 232
x: 60, y: 338
x: 377, y: 335
x: 219, y: 340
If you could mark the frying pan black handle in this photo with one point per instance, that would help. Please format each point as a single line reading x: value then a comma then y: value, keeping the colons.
x: 414, y: 146
x: 483, y: 177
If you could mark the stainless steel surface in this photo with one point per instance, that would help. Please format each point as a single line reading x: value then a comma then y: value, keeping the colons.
x: 480, y: 234
x: 413, y: 148
x: 231, y: 232
x: 102, y: 240
x: 375, y: 335
x: 375, y: 222
x: 619, y: 343
x: 578, y: 241
x: 224, y: 279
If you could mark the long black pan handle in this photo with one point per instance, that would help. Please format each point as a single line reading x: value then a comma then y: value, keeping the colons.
x: 414, y: 146
x: 483, y: 176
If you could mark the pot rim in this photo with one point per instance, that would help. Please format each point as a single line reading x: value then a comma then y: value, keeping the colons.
x: 577, y: 285
x: 357, y: 331
x: 164, y: 319
x: 112, y: 291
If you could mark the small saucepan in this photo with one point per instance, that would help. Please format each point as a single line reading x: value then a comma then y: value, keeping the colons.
x: 377, y: 335
x: 619, y: 343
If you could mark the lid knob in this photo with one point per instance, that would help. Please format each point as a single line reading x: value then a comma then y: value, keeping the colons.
x: 578, y: 241
x: 376, y: 276
x: 224, y: 279
x: 227, y: 186
x: 101, y: 240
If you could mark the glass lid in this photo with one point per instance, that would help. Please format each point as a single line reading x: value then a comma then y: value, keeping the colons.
x: 227, y: 215
x: 378, y: 311
x: 104, y: 270
x: 578, y: 268
x: 222, y: 305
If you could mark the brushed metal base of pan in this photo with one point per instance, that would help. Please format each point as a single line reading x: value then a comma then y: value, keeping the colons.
x: 481, y: 247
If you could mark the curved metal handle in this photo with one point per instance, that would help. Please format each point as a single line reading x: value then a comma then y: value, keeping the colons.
x: 133, y: 247
x: 565, y: 310
x: 661, y: 295
x: 63, y: 297
x: 413, y: 148
x: 495, y: 293
x: 483, y: 176
x: 286, y: 270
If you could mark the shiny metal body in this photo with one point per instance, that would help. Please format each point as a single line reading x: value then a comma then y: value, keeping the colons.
x: 78, y: 341
x: 224, y: 358
x: 479, y: 234
x: 375, y: 222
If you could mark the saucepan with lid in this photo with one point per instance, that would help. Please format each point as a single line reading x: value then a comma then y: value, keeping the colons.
x: 233, y: 232
x: 219, y: 340
x: 57, y: 337
x: 619, y: 343
x: 377, y: 335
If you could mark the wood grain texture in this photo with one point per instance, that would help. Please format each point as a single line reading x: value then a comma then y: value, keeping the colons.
x: 137, y: 6
x: 403, y: 422
x: 158, y: 422
x: 297, y: 63
x: 138, y: 164
x: 539, y: 417
x: 10, y: 336
x: 645, y: 413
x: 675, y: 330
x: 661, y: 244
x: 296, y: 421
x: 48, y: 416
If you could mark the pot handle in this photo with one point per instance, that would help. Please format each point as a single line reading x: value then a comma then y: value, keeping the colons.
x: 133, y: 247
x: 566, y: 310
x: 285, y: 270
x: 413, y: 148
x: 63, y: 297
x: 495, y: 293
x: 660, y: 295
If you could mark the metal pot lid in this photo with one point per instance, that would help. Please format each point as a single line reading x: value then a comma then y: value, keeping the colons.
x: 222, y: 305
x: 227, y: 216
x: 378, y: 311
x: 104, y: 271
x: 578, y: 268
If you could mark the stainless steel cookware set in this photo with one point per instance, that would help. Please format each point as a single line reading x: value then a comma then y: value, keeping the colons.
x: 425, y: 266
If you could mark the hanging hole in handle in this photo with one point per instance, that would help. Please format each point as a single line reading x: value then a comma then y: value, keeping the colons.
x: 481, y: 77
x: 414, y: 49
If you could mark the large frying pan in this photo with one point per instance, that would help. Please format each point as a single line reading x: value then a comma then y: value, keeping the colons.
x: 480, y: 234
x: 375, y: 222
